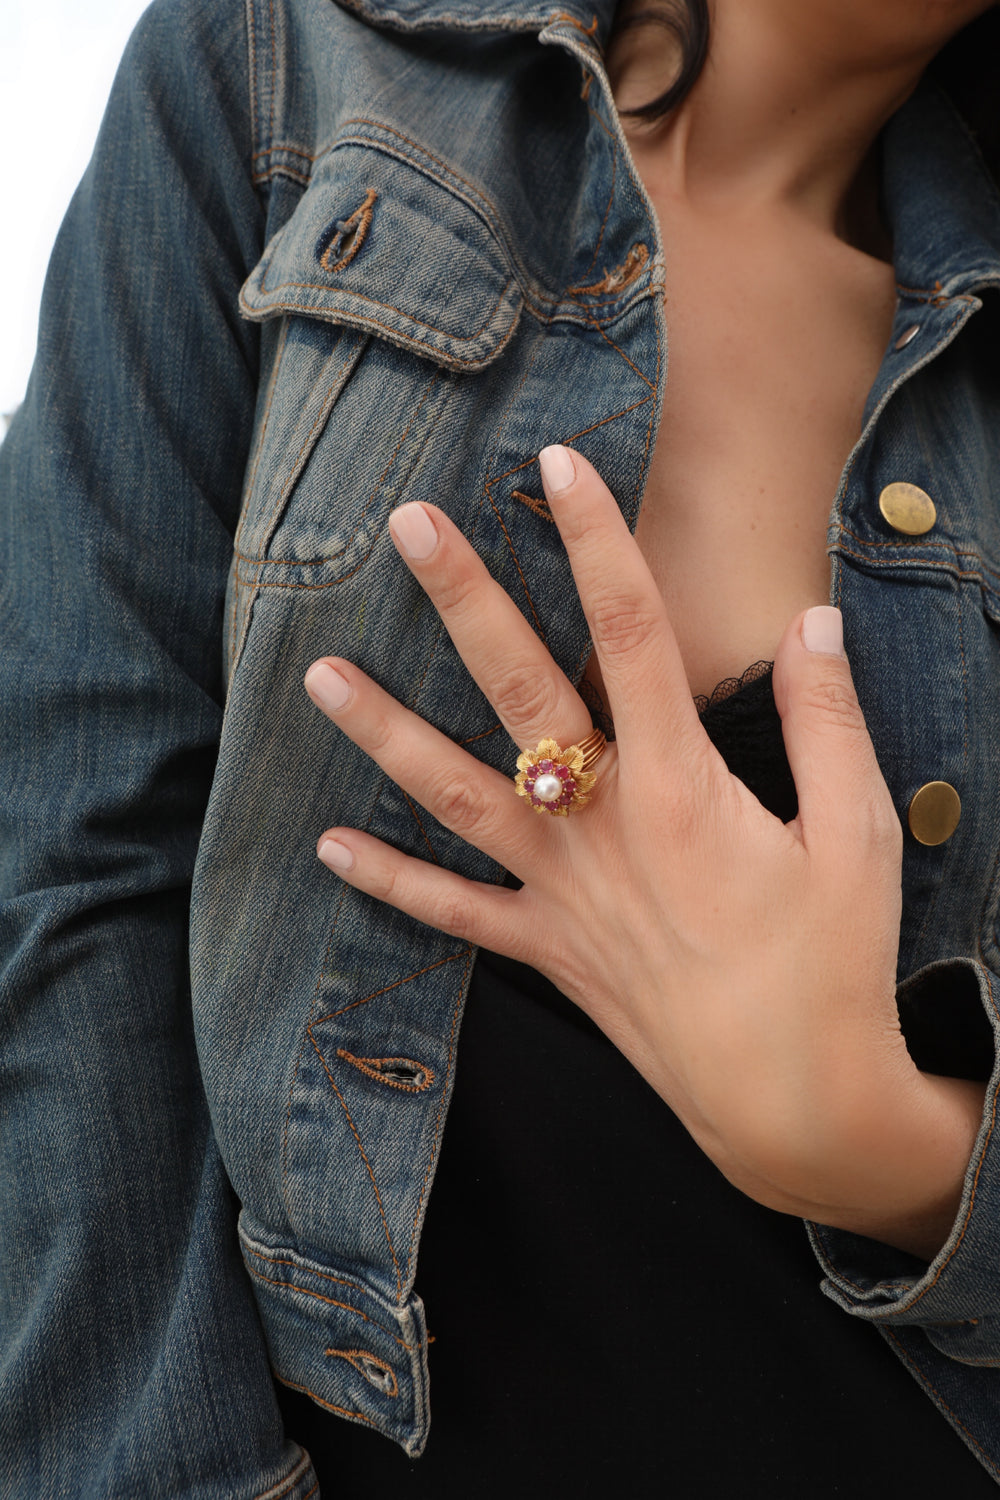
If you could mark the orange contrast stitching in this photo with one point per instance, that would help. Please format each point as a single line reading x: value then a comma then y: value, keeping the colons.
x: 361, y: 218
x: 917, y: 562
x: 540, y: 507
x: 517, y: 561
x: 261, y: 562
x: 412, y: 806
x: 279, y: 355
x: 340, y: 1410
x: 481, y: 736
x: 301, y: 1464
x: 617, y: 278
x: 273, y: 1260
x: 355, y: 1356
x: 590, y: 30
x: 331, y: 1302
x: 372, y: 1067
x: 364, y: 1158
x: 274, y: 74
x: 440, y: 1113
x: 319, y: 286
x: 904, y: 1355
x: 438, y: 963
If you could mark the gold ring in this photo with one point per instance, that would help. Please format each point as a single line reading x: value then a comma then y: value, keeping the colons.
x: 559, y: 781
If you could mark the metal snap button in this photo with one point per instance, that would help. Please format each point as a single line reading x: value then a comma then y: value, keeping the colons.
x: 934, y: 812
x: 907, y: 508
x: 907, y: 336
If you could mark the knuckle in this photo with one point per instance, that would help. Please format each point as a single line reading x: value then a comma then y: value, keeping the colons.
x: 455, y: 915
x: 459, y: 805
x: 885, y: 826
x: 834, y: 698
x: 378, y: 736
x: 622, y: 624
x: 385, y: 883
x: 457, y: 590
x: 524, y: 697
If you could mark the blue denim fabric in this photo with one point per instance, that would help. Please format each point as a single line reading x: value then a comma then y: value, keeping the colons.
x: 328, y: 258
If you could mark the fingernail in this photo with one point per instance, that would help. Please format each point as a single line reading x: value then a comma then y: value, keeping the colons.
x: 330, y: 690
x: 414, y: 530
x: 823, y: 630
x: 336, y: 856
x: 558, y: 469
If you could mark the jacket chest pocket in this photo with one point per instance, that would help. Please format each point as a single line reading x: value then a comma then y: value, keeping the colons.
x: 389, y: 282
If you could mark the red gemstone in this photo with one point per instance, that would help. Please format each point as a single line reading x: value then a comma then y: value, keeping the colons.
x: 537, y: 802
x: 563, y: 772
x: 545, y: 765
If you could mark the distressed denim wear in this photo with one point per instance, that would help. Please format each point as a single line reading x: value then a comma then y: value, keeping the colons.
x: 330, y: 257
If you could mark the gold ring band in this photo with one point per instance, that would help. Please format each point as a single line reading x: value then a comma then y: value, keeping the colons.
x: 558, y: 781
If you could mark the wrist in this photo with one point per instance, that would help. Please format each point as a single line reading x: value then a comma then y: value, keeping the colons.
x: 899, y: 1178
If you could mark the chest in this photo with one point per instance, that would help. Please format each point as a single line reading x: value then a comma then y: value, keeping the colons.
x: 773, y: 344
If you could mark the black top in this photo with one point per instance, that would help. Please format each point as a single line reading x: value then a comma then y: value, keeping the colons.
x: 607, y: 1310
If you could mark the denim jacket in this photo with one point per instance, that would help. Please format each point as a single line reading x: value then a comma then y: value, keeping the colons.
x: 327, y: 258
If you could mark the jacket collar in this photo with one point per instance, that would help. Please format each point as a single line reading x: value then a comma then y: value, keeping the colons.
x: 591, y: 17
x: 940, y: 199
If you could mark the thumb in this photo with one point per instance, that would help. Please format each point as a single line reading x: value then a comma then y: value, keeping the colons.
x: 841, y: 790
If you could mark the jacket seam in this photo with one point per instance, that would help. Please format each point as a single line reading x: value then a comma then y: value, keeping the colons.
x: 319, y: 286
x: 925, y: 1380
x: 302, y: 1463
x: 342, y: 1411
x: 304, y: 1291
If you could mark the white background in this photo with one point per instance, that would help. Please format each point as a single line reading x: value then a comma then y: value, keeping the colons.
x: 57, y: 60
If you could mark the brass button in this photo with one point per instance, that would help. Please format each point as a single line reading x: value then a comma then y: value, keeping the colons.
x: 934, y: 812
x: 907, y: 508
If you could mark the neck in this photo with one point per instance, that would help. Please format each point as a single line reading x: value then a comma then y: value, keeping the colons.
x: 788, y: 105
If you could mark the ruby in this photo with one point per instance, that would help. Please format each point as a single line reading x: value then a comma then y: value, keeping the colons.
x: 537, y: 802
x: 545, y: 765
x: 562, y: 771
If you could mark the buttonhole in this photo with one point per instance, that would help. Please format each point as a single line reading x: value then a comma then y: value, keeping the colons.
x: 397, y: 1072
x: 374, y: 1370
x: 341, y: 240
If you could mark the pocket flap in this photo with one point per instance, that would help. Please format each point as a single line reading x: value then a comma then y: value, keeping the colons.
x: 387, y: 247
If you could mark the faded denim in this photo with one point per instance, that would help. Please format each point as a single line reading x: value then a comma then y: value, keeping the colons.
x: 328, y: 258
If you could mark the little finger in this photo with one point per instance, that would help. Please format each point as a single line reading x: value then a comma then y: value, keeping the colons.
x: 485, y: 915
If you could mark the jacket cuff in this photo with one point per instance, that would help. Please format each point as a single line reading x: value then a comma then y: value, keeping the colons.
x: 950, y: 1018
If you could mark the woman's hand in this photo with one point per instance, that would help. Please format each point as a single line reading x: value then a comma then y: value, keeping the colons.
x: 746, y: 967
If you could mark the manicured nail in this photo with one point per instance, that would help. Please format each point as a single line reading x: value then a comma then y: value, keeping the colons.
x: 823, y: 630
x: 558, y: 469
x: 336, y: 856
x: 414, y: 530
x: 330, y: 690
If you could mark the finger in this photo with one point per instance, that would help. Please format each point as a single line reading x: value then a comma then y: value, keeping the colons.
x: 486, y: 915
x: 841, y: 789
x: 533, y: 698
x: 640, y: 661
x: 466, y: 796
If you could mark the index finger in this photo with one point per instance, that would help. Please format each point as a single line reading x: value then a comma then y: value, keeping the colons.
x: 647, y: 686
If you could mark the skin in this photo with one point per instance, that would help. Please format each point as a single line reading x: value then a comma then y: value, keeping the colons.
x: 745, y: 967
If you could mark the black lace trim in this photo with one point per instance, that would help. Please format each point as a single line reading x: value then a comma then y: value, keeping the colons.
x: 725, y: 689
x: 730, y: 685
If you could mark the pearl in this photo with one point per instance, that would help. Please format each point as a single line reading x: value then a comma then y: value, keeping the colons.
x: 548, y: 788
